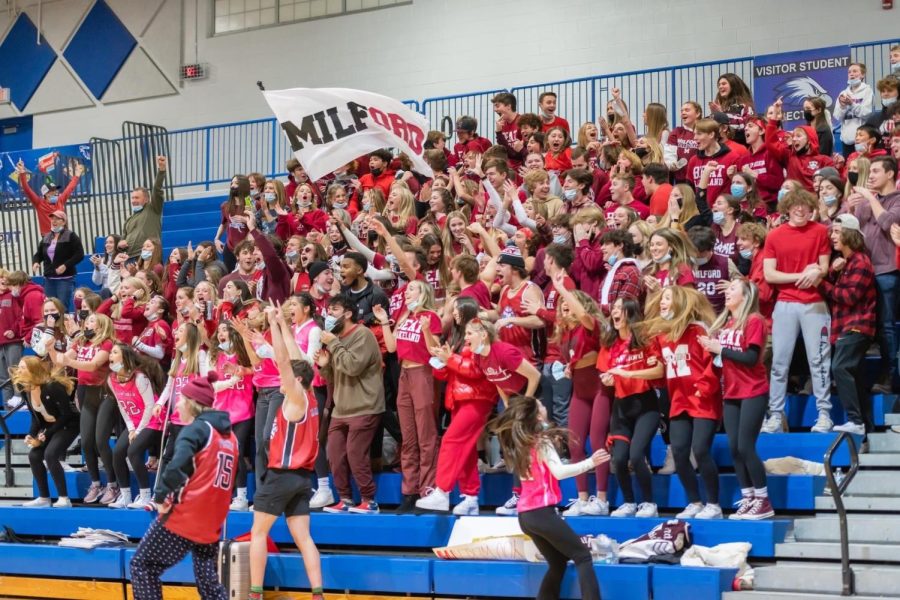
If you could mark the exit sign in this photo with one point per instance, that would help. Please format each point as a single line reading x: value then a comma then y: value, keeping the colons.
x: 194, y: 71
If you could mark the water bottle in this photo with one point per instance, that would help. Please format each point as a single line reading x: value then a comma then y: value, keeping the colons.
x: 839, y: 476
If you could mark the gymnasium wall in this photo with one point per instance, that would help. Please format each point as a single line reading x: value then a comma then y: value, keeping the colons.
x: 119, y: 61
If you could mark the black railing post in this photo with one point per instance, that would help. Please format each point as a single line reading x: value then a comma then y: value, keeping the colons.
x: 837, y: 491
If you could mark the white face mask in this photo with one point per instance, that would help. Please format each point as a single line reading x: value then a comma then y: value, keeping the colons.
x: 182, y: 348
x: 115, y: 367
x: 225, y: 346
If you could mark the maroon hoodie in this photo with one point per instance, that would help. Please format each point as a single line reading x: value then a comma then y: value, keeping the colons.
x: 31, y: 303
x: 769, y: 173
x: 800, y: 166
x: 718, y: 179
x: 10, y: 319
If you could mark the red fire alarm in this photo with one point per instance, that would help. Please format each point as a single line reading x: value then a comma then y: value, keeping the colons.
x: 887, y: 4
x: 194, y: 71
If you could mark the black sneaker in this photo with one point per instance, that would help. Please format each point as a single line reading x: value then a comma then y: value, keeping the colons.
x: 408, y: 505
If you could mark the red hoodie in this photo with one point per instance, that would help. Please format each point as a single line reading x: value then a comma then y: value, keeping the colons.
x: 801, y: 166
x: 10, y: 319
x: 31, y: 303
x: 769, y: 174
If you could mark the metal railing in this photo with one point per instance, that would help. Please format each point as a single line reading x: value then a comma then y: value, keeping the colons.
x: 837, y: 489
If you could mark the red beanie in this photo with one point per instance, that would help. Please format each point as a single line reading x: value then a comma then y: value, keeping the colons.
x: 200, y: 390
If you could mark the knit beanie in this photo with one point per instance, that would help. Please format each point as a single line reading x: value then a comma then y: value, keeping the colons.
x: 200, y: 390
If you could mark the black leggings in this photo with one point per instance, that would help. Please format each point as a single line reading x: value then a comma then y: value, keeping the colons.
x: 172, y: 432
x: 53, y: 451
x: 321, y: 392
x: 134, y: 453
x: 558, y: 543
x: 633, y: 423
x: 99, y: 416
x: 243, y: 431
x: 743, y: 421
x: 693, y: 434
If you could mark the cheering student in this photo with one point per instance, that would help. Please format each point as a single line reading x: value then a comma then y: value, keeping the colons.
x: 738, y: 339
x: 626, y: 353
x: 695, y: 393
x: 192, y: 497
x: 529, y: 445
x: 293, y: 446
x: 135, y: 381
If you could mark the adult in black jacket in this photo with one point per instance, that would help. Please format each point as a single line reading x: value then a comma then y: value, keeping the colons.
x: 57, y: 257
x: 54, y: 425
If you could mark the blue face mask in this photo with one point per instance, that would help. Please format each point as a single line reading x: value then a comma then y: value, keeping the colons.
x: 479, y: 349
x: 56, y: 229
x: 663, y: 259
x: 412, y: 306
x: 560, y: 239
x: 886, y: 102
x: 738, y: 190
x: 746, y: 254
x: 612, y: 259
x: 291, y: 255
x: 569, y: 195
x: 854, y: 82
x: 146, y: 254
x: 829, y: 200
x: 718, y: 217
x: 339, y: 205
x: 137, y: 209
x: 53, y: 199
x: 861, y: 147
x: 269, y: 196
x: 331, y: 322
x: 781, y: 194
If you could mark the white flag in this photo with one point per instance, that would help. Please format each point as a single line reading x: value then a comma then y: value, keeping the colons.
x: 329, y: 127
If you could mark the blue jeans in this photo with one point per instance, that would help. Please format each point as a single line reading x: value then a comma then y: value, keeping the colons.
x: 886, y: 287
x: 555, y: 395
x: 62, y: 288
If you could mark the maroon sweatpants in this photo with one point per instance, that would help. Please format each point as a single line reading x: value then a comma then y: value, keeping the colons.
x: 458, y: 457
x: 589, y: 412
x: 349, y: 440
x: 418, y: 452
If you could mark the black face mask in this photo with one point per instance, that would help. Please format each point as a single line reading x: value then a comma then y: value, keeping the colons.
x: 641, y: 152
x: 89, y: 334
x: 54, y: 316
x: 611, y: 117
x: 853, y: 178
x: 376, y: 172
x: 83, y: 314
x: 808, y: 116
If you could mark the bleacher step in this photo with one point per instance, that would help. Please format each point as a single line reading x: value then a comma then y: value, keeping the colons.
x: 887, y: 553
x: 874, y: 483
x: 821, y: 579
x: 748, y: 595
x: 887, y: 504
x: 17, y: 491
x: 880, y: 459
x: 884, y: 442
x: 880, y: 529
x: 892, y: 419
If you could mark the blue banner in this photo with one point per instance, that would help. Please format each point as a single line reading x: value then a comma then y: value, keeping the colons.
x: 796, y: 76
x: 44, y: 165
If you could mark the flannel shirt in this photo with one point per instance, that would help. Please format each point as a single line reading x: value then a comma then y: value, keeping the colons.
x: 851, y: 294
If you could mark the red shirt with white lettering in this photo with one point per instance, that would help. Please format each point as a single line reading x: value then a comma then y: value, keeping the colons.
x: 685, y: 148
x: 693, y: 382
x: 499, y: 367
x: 410, y: 340
x: 86, y: 353
x: 620, y: 355
x: 742, y: 381
x: 719, y: 182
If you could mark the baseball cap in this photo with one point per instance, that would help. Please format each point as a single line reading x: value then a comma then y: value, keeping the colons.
x: 847, y: 221
x: 467, y: 124
x: 59, y: 215
x: 511, y: 256
x: 48, y: 187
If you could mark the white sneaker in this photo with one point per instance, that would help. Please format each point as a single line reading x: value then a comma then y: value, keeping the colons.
x: 62, y: 502
x: 67, y: 467
x: 122, y: 501
x: 597, y: 507
x: 710, y: 511
x: 576, y: 508
x: 468, y: 507
x: 322, y: 498
x: 629, y: 509
x: 37, y: 503
x: 851, y: 427
x: 509, y: 508
x: 435, y: 499
x: 690, y: 511
x: 646, y: 510
x: 669, y: 464
x: 823, y: 424
x: 239, y: 504
x: 773, y: 424
x: 142, y: 501
x: 14, y: 402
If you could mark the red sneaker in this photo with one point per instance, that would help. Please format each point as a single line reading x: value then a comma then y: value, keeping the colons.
x: 760, y: 509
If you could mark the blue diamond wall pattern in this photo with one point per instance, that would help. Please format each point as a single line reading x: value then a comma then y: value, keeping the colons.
x: 99, y: 48
x: 24, y: 62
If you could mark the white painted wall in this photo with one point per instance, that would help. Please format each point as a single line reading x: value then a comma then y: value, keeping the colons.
x: 439, y: 47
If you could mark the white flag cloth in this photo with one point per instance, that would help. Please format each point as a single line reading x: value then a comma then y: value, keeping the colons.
x: 329, y: 127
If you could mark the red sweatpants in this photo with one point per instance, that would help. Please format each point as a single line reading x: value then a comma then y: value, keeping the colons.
x: 458, y: 457
x: 589, y: 413
x: 349, y: 440
x: 418, y: 452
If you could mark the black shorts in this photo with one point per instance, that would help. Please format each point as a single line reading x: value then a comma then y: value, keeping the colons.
x: 284, y: 492
x: 626, y: 411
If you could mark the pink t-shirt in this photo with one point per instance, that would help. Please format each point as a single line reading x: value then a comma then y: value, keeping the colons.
x: 410, y: 340
x: 265, y: 374
x: 237, y: 400
x: 541, y: 489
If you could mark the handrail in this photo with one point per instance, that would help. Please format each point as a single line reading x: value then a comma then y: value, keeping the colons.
x: 837, y: 490
x: 8, y: 473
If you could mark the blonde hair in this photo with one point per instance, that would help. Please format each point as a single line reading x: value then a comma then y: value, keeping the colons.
x: 37, y: 372
x: 116, y: 312
x: 405, y: 207
x: 688, y: 306
x: 103, y: 331
x: 426, y: 294
x: 689, y: 208
x: 863, y: 165
x: 679, y: 248
x: 749, y: 306
x: 656, y: 122
x: 191, y: 355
